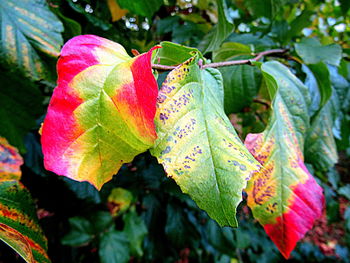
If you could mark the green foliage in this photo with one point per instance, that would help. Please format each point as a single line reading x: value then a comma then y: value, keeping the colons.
x: 29, y: 28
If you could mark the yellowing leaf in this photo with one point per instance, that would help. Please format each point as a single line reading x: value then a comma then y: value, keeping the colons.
x: 116, y: 12
x: 101, y: 112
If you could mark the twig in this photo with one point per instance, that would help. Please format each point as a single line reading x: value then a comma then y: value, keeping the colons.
x: 229, y: 63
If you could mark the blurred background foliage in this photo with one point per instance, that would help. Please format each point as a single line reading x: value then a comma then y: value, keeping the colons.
x: 141, y: 215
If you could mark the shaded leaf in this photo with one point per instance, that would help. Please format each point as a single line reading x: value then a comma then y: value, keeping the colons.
x: 312, y: 52
x: 197, y: 144
x: 81, y: 232
x: 101, y: 113
x: 114, y: 247
x: 283, y: 196
x: 241, y: 82
x: 220, y: 31
x: 29, y: 27
x: 141, y: 7
x: 135, y: 229
x: 21, y: 104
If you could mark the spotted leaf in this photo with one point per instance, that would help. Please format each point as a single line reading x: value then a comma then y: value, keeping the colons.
x: 27, y: 28
x: 19, y: 227
x: 101, y: 112
x: 283, y: 196
x: 197, y: 144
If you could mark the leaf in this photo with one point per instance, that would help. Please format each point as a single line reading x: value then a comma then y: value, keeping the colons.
x: 300, y: 22
x: 10, y: 162
x: 265, y: 8
x: 283, y: 196
x: 85, y: 230
x: 220, y: 31
x: 29, y: 27
x: 136, y: 230
x: 345, y: 191
x: 241, y: 85
x: 101, y: 112
x: 119, y: 201
x: 320, y: 146
x: 230, y: 50
x: 322, y: 76
x: 197, y: 145
x: 141, y: 7
x: 241, y: 82
x: 19, y: 227
x: 173, y: 54
x: 114, y: 247
x: 21, y: 104
x: 312, y: 52
x: 81, y: 232
x: 116, y: 12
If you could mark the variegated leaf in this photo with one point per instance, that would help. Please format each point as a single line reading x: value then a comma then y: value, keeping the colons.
x: 283, y: 196
x: 101, y: 113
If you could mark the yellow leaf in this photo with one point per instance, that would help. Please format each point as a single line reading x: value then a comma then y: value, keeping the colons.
x: 116, y: 12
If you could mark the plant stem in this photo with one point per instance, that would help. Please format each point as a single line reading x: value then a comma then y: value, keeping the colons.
x: 229, y: 63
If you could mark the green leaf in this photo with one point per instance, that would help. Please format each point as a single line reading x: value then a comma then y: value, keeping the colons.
x: 197, y: 144
x: 345, y: 191
x: 173, y: 54
x: 230, y: 50
x: 84, y: 230
x: 345, y: 6
x: 322, y: 76
x: 258, y: 42
x: 81, y: 232
x: 135, y: 229
x: 241, y: 85
x: 141, y: 7
x: 265, y: 8
x: 312, y: 52
x: 220, y: 31
x: 28, y: 27
x: 114, y: 247
x: 320, y: 146
x: 21, y: 104
x: 300, y: 22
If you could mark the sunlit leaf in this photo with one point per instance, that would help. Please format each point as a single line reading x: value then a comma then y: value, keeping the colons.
x: 197, y: 144
x: 28, y: 27
x: 283, y: 196
x: 101, y: 113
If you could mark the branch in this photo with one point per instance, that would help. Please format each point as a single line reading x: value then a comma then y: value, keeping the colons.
x: 229, y: 63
